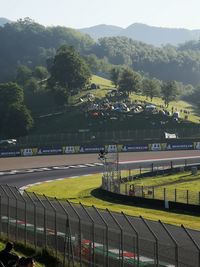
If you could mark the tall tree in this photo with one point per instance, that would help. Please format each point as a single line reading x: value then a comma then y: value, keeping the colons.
x: 69, y: 70
x: 129, y: 81
x: 114, y: 76
x: 23, y: 74
x: 40, y: 72
x: 18, y: 121
x: 15, y: 119
x: 151, y: 88
x: 169, y: 92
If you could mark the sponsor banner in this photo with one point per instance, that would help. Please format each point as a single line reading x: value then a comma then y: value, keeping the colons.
x: 9, y: 153
x: 91, y: 149
x: 114, y: 148
x: 135, y: 147
x: 29, y: 151
x: 196, y: 145
x: 50, y: 151
x: 179, y: 146
x: 157, y: 146
x: 70, y: 149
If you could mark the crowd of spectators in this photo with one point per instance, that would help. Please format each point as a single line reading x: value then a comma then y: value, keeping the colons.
x: 9, y: 259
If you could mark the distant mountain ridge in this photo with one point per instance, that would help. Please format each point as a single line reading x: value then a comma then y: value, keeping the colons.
x: 4, y: 21
x: 141, y: 32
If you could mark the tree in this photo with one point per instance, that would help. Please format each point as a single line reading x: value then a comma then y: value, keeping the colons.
x: 15, y: 119
x: 69, y: 71
x: 10, y: 93
x: 23, y: 74
x: 114, y: 76
x: 151, y: 88
x: 40, y: 73
x: 169, y: 92
x: 18, y: 121
x: 129, y: 81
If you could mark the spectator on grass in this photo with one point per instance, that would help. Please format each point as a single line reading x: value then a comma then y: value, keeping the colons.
x: 26, y: 262
x: 8, y: 258
x: 21, y: 262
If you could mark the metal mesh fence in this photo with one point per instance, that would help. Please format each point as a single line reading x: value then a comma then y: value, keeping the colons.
x: 87, y: 236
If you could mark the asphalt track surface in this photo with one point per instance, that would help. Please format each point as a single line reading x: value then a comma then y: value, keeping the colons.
x: 188, y: 253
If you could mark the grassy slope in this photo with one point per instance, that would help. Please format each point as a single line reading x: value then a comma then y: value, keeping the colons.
x: 106, y: 85
x: 60, y: 123
x: 81, y: 189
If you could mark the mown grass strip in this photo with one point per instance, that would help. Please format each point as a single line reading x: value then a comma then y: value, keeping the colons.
x: 84, y: 190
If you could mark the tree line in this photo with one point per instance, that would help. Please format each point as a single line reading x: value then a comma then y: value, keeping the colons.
x: 38, y: 71
x: 31, y: 44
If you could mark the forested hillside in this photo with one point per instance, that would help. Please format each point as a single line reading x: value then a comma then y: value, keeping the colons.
x: 31, y: 44
x: 28, y: 43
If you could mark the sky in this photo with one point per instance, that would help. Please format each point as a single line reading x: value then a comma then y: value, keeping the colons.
x: 86, y: 13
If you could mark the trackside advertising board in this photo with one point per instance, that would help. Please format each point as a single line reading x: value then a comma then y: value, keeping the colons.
x: 9, y: 153
x: 179, y: 146
x: 91, y: 149
x: 135, y: 147
x: 50, y: 151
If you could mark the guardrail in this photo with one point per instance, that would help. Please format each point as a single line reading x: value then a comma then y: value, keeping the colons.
x: 94, y: 237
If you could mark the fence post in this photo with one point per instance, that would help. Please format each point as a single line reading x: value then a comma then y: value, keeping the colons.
x: 126, y: 189
x: 137, y: 237
x: 194, y: 242
x: 69, y: 235
x: 121, y: 250
x: 35, y: 220
x: 8, y: 211
x: 142, y: 191
x: 153, y: 192
x: 0, y: 215
x: 156, y: 239
x: 45, y: 223
x: 25, y: 219
x: 152, y: 167
x: 164, y: 192
x: 93, y: 233
x: 187, y: 194
x: 171, y: 165
x: 80, y: 239
x: 174, y: 241
x: 106, y: 225
x: 16, y: 212
x: 55, y: 222
x: 175, y: 192
x: 185, y: 162
x: 199, y: 198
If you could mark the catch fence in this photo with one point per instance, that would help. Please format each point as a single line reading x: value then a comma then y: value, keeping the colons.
x: 87, y: 136
x: 87, y: 236
x: 162, y: 193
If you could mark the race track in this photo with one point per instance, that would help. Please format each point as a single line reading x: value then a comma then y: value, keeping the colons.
x: 188, y: 255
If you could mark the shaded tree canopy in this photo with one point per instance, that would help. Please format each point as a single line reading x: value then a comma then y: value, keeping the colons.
x: 15, y: 119
x: 169, y: 92
x: 69, y: 69
x: 129, y: 81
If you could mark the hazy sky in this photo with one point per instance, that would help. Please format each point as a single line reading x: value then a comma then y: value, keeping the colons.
x: 86, y: 13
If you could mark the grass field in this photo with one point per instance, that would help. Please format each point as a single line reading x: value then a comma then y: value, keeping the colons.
x: 83, y: 189
x: 106, y: 85
x: 175, y: 186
